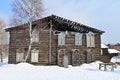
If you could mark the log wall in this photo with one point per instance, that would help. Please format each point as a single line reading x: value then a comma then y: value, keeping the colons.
x: 19, y: 39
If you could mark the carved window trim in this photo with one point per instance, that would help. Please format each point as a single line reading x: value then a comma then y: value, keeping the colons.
x: 78, y: 39
x: 90, y: 39
x: 61, y: 39
x: 35, y: 35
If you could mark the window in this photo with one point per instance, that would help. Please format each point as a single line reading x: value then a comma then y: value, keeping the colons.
x: 34, y: 55
x: 61, y: 54
x: 19, y: 35
x: 78, y: 39
x: 75, y: 57
x: 19, y: 55
x: 90, y: 38
x: 61, y: 39
x: 35, y: 35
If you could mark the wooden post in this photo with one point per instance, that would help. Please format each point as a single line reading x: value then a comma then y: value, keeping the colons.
x: 50, y: 44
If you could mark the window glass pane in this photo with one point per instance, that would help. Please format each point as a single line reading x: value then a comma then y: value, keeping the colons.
x: 78, y: 39
x: 90, y: 39
x: 61, y: 39
x: 35, y: 35
x: 18, y: 35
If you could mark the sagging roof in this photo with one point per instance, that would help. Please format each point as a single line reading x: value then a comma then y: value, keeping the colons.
x: 66, y: 25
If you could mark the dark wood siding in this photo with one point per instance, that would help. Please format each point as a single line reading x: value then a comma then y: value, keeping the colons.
x: 43, y: 47
x: 19, y: 39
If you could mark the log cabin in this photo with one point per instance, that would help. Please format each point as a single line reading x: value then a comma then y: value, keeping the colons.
x: 52, y: 38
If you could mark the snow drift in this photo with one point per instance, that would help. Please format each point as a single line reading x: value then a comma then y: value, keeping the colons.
x: 25, y: 71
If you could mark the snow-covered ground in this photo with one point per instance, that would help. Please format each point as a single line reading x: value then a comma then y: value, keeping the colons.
x: 25, y: 71
x: 115, y: 59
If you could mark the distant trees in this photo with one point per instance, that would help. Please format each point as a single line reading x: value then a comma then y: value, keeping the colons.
x: 26, y: 11
x: 3, y: 39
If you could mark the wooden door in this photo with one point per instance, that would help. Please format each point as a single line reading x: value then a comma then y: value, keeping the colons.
x: 61, y: 53
x: 90, y: 56
x: 75, y: 58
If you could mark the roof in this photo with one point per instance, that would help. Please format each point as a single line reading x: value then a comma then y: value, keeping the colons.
x: 112, y: 51
x: 67, y: 25
x: 104, y: 46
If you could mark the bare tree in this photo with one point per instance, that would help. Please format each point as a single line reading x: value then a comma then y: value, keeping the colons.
x: 13, y: 21
x: 26, y: 11
x: 3, y: 39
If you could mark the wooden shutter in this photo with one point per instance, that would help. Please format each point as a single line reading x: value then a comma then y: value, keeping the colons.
x: 78, y: 39
x: 61, y: 39
x: 92, y: 41
x: 88, y: 40
x: 34, y: 55
x: 19, y: 57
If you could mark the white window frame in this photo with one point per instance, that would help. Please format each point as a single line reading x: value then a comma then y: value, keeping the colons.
x: 61, y: 39
x: 19, y: 55
x: 34, y: 55
x: 78, y: 39
x: 90, y: 39
x: 35, y: 35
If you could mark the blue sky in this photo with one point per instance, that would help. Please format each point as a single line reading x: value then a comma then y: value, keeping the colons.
x: 100, y: 14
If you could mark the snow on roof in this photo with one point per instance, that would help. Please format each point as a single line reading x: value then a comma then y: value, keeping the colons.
x: 104, y: 46
x: 113, y: 51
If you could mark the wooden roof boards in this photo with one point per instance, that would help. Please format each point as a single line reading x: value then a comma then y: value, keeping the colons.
x: 63, y: 24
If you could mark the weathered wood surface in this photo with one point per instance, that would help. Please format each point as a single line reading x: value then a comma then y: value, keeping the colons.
x: 105, y: 65
x: 19, y: 39
x: 43, y: 47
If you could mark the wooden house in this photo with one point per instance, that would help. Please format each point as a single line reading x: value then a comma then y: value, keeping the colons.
x: 107, y: 53
x: 52, y: 38
x: 114, y: 46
